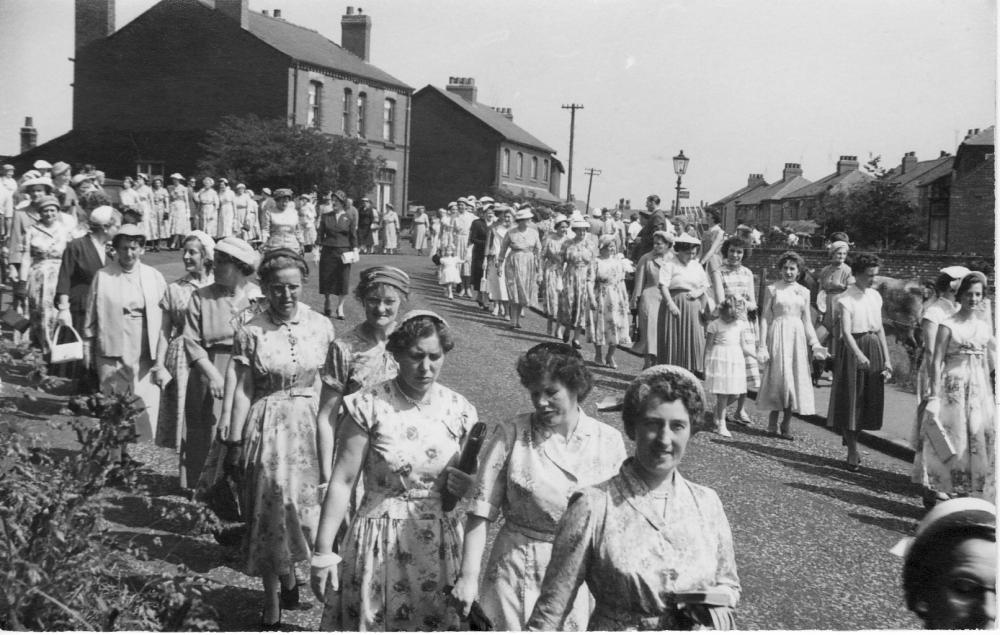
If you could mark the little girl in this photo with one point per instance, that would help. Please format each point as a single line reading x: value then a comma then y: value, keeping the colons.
x: 726, y: 351
x: 449, y: 270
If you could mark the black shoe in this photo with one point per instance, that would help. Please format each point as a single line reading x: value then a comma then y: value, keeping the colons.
x: 290, y: 597
x: 273, y: 626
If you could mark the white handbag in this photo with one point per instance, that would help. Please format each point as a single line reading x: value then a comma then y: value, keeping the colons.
x: 349, y: 257
x: 68, y: 351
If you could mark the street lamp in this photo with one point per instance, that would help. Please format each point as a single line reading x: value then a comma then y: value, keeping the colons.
x: 680, y: 167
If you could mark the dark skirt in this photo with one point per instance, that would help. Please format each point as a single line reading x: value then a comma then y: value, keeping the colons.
x: 201, y: 416
x: 681, y: 339
x: 857, y: 396
x: 476, y: 272
x: 334, y: 275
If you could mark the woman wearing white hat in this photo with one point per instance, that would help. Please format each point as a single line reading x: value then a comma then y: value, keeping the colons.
x: 495, y: 281
x: 683, y: 287
x: 577, y: 301
x: 123, y: 325
x: 552, y: 271
x: 179, y: 225
x: 41, y: 254
x: 150, y: 224
x: 208, y: 206
x: 521, y: 269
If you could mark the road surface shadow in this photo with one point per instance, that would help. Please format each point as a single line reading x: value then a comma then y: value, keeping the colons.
x: 896, y: 525
x: 197, y: 555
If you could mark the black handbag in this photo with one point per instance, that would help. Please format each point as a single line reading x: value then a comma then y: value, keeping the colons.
x: 476, y: 619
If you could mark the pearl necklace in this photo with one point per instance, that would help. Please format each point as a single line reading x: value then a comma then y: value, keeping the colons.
x: 425, y: 401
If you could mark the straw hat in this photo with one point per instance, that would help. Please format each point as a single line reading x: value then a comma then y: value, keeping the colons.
x: 238, y: 249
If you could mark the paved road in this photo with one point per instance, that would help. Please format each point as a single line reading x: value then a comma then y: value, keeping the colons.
x: 812, y: 538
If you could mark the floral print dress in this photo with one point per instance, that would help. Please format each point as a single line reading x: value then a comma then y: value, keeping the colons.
x: 578, y: 283
x: 402, y: 549
x: 611, y: 317
x: 280, y: 452
x: 635, y: 551
x: 552, y: 273
x: 45, y: 246
x: 967, y: 417
x: 530, y: 477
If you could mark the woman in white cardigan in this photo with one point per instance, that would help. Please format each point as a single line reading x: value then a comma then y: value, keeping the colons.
x: 123, y: 325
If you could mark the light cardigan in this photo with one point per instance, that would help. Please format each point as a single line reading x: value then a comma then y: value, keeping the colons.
x: 105, y: 319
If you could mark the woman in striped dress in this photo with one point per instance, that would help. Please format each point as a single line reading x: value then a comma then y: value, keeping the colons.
x: 683, y: 286
x: 577, y: 301
x: 737, y: 282
x: 552, y: 271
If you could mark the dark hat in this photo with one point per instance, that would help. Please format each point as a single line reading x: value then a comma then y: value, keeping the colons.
x: 387, y: 275
x: 340, y: 196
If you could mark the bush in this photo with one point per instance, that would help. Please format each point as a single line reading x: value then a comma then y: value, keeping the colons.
x: 59, y: 568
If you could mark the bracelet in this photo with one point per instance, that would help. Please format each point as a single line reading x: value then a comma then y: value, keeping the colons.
x: 324, y: 560
x: 229, y: 443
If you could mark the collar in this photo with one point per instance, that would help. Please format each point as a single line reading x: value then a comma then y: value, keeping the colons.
x: 295, y: 319
x: 638, y: 496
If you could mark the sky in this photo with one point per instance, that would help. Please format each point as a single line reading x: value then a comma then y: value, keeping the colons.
x: 741, y: 86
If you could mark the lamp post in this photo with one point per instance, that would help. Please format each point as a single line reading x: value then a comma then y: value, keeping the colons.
x: 680, y: 167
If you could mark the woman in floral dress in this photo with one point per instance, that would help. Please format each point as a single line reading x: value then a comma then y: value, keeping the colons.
x: 552, y: 271
x: 495, y: 282
x: 647, y: 539
x: 962, y: 405
x: 199, y: 250
x: 521, y: 268
x: 611, y: 323
x: 834, y: 279
x: 401, y: 548
x: 577, y: 299
x: 227, y: 210
x: 279, y: 355
x: 41, y: 248
x: 737, y: 282
x: 530, y: 466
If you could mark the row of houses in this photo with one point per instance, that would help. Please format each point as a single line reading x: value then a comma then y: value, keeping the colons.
x: 145, y: 95
x: 954, y: 194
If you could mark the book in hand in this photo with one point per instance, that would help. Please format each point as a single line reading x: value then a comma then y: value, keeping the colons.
x: 712, y: 597
x: 935, y: 433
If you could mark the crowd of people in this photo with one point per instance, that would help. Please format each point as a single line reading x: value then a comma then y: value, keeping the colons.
x: 344, y: 442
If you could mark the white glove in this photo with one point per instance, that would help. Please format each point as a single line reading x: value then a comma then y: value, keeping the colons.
x: 323, y: 574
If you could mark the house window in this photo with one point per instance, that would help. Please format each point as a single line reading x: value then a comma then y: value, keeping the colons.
x: 545, y: 171
x: 389, y: 122
x: 519, y: 166
x: 937, y: 212
x: 534, y: 168
x: 315, y: 99
x: 152, y: 169
x: 385, y: 183
x: 506, y: 163
x: 348, y: 99
x: 362, y: 115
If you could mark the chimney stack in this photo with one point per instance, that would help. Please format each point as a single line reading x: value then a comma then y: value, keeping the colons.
x: 95, y: 20
x: 791, y: 171
x: 464, y: 87
x: 755, y: 179
x: 29, y: 136
x: 847, y: 164
x: 236, y: 10
x: 356, y: 33
x: 506, y: 112
x: 277, y: 13
x: 909, y: 162
x: 265, y: 12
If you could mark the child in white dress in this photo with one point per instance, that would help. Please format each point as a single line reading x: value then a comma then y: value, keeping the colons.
x: 725, y: 361
x: 449, y: 270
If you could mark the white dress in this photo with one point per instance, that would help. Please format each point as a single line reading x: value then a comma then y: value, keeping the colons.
x: 725, y: 367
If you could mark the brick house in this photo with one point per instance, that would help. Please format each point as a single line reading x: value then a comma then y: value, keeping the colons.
x: 971, y: 215
x: 461, y: 147
x: 145, y: 95
x: 801, y: 204
x: 762, y: 206
x: 726, y: 206
x: 911, y: 172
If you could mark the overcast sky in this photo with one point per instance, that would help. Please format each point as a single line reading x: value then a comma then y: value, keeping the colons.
x: 741, y: 86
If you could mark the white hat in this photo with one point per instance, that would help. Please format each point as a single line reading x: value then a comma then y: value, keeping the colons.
x: 597, y: 212
x: 967, y: 511
x: 178, y: 176
x: 42, y: 164
x: 559, y: 218
x: 40, y: 180
x: 102, y: 215
x: 523, y: 213
x: 956, y: 272
x: 486, y: 199
x: 579, y: 223
x: 686, y: 239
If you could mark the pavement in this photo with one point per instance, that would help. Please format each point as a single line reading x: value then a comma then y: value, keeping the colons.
x: 812, y: 539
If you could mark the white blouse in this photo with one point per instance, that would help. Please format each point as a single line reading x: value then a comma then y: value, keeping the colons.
x: 679, y: 277
x: 864, y: 307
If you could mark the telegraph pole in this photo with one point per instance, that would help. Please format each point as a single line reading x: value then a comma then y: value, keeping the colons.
x: 591, y: 172
x: 572, y: 108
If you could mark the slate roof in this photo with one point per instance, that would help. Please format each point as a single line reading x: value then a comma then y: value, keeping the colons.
x: 738, y: 193
x: 984, y: 138
x: 935, y: 173
x: 824, y: 184
x: 776, y: 190
x: 491, y: 118
x: 917, y: 172
x: 308, y: 46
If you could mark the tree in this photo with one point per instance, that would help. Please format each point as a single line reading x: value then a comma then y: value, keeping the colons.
x: 268, y: 152
x: 875, y: 214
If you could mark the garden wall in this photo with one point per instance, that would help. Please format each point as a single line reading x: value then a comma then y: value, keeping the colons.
x: 898, y: 264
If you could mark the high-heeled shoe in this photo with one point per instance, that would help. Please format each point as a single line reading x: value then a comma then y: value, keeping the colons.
x: 273, y: 626
x: 290, y: 597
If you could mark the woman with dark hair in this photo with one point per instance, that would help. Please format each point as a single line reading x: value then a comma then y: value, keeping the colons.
x: 683, y: 286
x: 857, y: 394
x: 711, y: 252
x: 786, y: 382
x: 654, y: 549
x: 279, y: 356
x: 737, y: 282
x: 173, y: 369
x: 401, y: 548
x: 646, y: 295
x: 530, y: 466
x: 950, y: 566
x: 209, y: 328
x: 960, y: 416
x: 337, y: 238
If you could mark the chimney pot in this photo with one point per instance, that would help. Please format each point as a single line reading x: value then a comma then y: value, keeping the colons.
x: 350, y: 10
x: 29, y: 136
x: 464, y: 87
x: 277, y: 13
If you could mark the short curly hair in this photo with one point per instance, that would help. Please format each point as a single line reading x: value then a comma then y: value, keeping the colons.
x: 275, y: 261
x: 864, y: 261
x: 663, y: 384
x: 791, y: 256
x: 736, y: 242
x: 415, y: 329
x: 559, y: 362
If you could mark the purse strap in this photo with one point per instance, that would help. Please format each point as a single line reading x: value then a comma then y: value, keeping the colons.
x: 55, y: 334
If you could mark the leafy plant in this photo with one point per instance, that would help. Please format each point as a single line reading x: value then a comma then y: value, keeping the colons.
x: 59, y: 568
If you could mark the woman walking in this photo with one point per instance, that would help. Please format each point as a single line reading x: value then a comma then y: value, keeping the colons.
x: 180, y: 214
x: 552, y: 272
x: 611, y: 323
x: 41, y: 248
x: 338, y: 239
x: 737, y: 283
x: 683, y: 287
x: 521, y: 269
x: 857, y: 395
x: 279, y: 356
x: 496, y: 283
x: 577, y: 301
x: 227, y: 211
x: 390, y: 224
x: 208, y: 207
x: 419, y: 230
x: 161, y: 213
x: 646, y: 296
x: 786, y: 383
x: 834, y: 280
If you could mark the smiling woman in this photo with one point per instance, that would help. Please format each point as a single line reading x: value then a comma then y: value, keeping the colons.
x: 684, y: 576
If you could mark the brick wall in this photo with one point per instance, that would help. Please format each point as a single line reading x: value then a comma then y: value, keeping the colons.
x: 898, y: 264
x: 971, y: 214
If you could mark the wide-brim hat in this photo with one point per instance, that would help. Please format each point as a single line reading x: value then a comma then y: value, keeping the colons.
x: 978, y: 276
x: 956, y: 272
x: 41, y: 164
x: 665, y: 235
x: 686, y: 239
x: 47, y: 201
x: 965, y: 512
x: 60, y: 167
x: 79, y: 179
x: 178, y: 176
x: 523, y: 214
x: 282, y: 192
x: 39, y: 180
x: 238, y: 249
